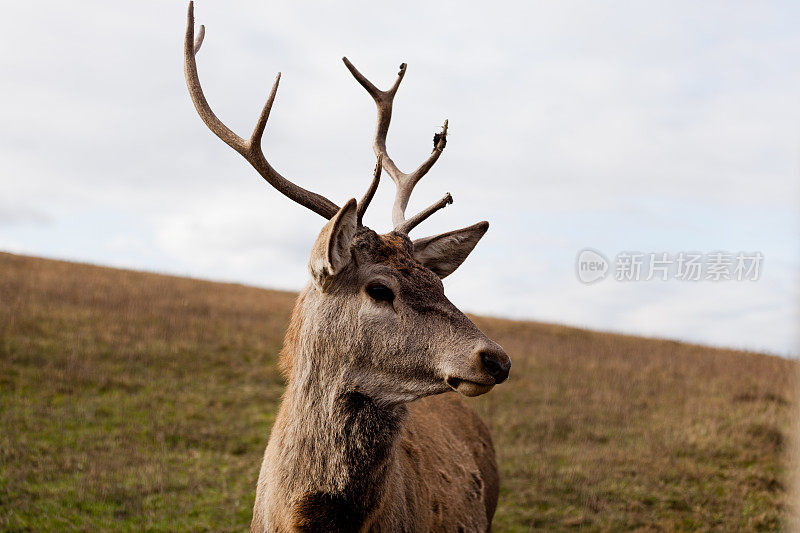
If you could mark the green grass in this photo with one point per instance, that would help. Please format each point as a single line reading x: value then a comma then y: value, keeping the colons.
x: 132, y: 401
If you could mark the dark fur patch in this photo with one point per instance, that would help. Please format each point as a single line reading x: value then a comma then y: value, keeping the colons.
x: 367, y: 462
x: 322, y: 511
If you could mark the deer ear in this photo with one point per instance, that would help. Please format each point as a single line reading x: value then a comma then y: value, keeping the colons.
x: 444, y: 253
x: 331, y: 251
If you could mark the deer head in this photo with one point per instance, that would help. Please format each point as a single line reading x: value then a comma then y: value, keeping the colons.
x: 374, y: 317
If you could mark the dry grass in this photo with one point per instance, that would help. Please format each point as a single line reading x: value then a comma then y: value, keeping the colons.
x: 134, y: 401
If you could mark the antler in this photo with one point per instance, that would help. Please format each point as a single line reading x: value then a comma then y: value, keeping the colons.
x: 364, y: 203
x: 405, y: 182
x: 250, y: 149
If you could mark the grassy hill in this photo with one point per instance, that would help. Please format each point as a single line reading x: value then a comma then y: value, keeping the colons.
x: 133, y: 401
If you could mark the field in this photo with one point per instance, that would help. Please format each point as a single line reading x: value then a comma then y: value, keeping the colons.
x: 133, y: 401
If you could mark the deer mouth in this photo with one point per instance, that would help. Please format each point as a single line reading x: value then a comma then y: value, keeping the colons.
x: 468, y: 388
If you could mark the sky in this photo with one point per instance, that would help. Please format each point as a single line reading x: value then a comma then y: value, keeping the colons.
x: 622, y: 127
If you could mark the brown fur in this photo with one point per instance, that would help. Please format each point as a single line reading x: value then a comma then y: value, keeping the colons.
x: 363, y: 440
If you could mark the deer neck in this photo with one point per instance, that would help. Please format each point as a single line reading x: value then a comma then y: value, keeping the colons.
x: 337, y: 445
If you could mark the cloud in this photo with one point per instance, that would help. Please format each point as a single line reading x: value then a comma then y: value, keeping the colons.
x: 234, y: 234
x: 22, y: 215
x: 658, y: 126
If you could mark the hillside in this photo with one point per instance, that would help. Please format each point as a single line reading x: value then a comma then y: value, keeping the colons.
x: 138, y: 401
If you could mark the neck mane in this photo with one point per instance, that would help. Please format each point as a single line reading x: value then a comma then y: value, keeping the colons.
x: 336, y: 446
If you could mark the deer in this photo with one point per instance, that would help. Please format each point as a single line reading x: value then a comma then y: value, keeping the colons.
x: 365, y: 438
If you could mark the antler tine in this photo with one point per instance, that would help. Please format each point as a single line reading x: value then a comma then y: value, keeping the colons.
x: 365, y: 201
x: 414, y: 221
x: 198, y: 41
x: 249, y: 149
x: 405, y: 182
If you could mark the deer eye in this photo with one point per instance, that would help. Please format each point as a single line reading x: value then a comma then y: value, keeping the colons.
x: 380, y: 292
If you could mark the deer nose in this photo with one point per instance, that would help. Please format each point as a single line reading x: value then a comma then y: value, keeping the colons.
x: 496, y: 363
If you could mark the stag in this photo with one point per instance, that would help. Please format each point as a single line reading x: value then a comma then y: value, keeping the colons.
x: 364, y: 439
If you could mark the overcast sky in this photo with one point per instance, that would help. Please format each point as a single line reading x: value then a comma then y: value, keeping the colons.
x: 621, y: 126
